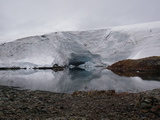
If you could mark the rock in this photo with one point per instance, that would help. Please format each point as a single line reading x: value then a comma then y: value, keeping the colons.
x: 144, y: 64
x: 99, y: 105
x: 77, y: 118
x: 60, y: 118
x: 93, y: 93
x: 1, y: 102
x: 150, y: 101
x: 155, y: 108
x: 145, y: 105
x: 1, y: 113
x: 146, y: 68
x: 50, y: 119
x: 105, y: 119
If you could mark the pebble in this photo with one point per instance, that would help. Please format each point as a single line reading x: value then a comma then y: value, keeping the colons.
x: 145, y: 105
x: 77, y: 118
x: 45, y: 105
x: 155, y: 108
x: 1, y: 102
x: 59, y: 118
x: 50, y: 119
x: 150, y: 102
x: 1, y: 113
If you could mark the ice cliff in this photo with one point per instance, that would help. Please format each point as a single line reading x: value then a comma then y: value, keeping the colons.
x: 97, y: 47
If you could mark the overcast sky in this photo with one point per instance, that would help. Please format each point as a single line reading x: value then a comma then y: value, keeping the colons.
x: 20, y: 18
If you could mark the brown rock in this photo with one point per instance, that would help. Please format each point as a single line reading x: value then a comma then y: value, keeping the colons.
x: 144, y: 64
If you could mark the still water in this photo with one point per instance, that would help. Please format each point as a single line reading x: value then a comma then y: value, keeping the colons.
x: 70, y: 80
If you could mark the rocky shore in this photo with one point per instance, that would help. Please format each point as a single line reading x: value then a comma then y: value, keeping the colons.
x: 145, y: 68
x: 18, y: 104
x: 143, y: 65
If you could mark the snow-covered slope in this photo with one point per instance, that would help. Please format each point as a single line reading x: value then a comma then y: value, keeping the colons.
x: 98, y: 47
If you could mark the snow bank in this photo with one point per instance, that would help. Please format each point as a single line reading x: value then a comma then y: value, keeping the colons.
x: 99, y: 47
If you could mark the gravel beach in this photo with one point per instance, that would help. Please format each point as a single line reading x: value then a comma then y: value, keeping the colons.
x: 16, y: 104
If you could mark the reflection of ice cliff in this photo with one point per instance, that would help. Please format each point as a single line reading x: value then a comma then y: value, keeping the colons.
x: 100, y: 47
x: 73, y: 80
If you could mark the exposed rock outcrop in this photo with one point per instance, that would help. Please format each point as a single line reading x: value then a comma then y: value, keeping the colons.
x: 144, y: 64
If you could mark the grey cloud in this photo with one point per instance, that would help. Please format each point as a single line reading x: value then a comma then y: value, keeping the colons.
x: 21, y: 18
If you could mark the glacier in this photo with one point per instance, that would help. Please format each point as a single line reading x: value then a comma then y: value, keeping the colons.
x: 90, y: 50
x: 100, y: 47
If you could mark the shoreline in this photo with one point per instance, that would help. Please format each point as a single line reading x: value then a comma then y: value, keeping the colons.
x: 81, y: 105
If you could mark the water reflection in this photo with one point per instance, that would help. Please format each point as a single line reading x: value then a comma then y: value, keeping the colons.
x: 145, y: 75
x: 71, y: 80
x: 82, y: 74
